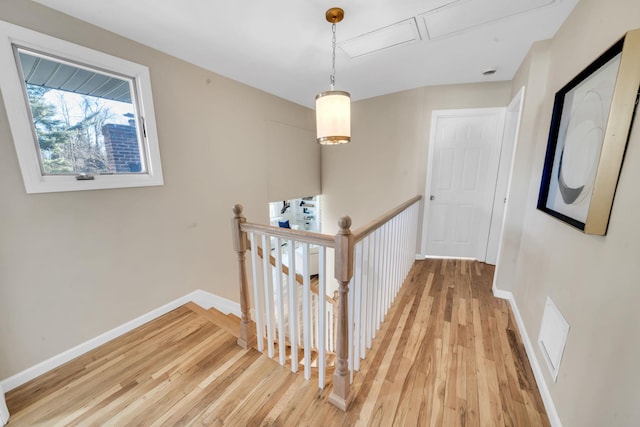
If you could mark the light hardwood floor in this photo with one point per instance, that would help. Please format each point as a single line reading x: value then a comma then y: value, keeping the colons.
x: 448, y: 354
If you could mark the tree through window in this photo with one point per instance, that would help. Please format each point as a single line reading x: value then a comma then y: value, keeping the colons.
x: 84, y: 120
x: 80, y: 119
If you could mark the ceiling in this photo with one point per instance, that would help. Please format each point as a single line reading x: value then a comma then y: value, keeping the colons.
x: 284, y: 47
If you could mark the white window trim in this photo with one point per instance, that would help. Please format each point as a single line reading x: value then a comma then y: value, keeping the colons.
x: 21, y: 125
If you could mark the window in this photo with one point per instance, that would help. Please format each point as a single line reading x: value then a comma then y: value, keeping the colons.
x: 80, y: 119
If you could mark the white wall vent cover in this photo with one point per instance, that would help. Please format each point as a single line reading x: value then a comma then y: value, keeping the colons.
x: 463, y: 15
x: 553, y: 336
x: 393, y: 35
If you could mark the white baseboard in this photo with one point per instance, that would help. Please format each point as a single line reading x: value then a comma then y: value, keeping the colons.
x: 552, y: 413
x: 448, y: 257
x: 204, y: 299
x: 208, y: 300
x: 499, y: 293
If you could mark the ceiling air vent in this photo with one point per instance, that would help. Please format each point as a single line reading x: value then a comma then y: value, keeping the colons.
x: 398, y: 34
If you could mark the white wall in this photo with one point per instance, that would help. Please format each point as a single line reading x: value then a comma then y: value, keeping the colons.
x: 593, y: 280
x: 74, y: 265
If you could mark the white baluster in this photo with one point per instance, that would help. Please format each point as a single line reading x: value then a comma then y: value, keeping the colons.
x: 383, y: 272
x: 398, y: 263
x: 410, y: 248
x: 330, y: 329
x: 378, y: 281
x: 410, y: 233
x: 314, y: 320
x: 387, y: 269
x: 381, y: 269
x: 280, y: 303
x: 371, y: 300
x: 306, y: 310
x: 268, y: 293
x: 413, y: 230
x: 293, y: 306
x: 357, y: 316
x: 257, y: 293
x: 322, y: 311
x: 350, y: 310
x: 394, y: 256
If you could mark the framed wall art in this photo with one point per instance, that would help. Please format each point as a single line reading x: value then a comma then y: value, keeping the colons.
x: 590, y: 125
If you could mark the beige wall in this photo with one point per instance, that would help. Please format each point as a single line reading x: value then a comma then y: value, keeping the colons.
x: 593, y: 280
x: 74, y: 265
x: 386, y: 162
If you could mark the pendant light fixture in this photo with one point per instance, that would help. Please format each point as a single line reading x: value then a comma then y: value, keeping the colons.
x: 333, y: 108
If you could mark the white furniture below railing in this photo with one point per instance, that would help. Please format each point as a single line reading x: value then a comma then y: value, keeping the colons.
x: 290, y: 315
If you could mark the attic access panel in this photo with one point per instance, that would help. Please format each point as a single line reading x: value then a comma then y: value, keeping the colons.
x: 464, y: 15
x: 400, y: 33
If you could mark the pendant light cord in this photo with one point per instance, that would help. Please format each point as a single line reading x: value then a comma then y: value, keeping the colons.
x: 332, y: 79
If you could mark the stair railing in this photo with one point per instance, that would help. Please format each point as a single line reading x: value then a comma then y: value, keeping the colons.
x: 373, y: 261
x: 330, y: 306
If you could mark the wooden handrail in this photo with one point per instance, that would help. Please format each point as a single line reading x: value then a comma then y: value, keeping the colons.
x: 289, y: 234
x: 370, y: 227
x: 325, y: 239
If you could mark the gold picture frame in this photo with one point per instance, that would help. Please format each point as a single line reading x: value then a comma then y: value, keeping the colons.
x: 590, y: 126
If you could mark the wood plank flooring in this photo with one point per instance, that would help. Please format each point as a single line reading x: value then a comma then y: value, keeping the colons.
x: 448, y: 354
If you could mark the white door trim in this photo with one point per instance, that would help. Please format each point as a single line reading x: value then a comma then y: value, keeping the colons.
x: 518, y: 100
x: 432, y: 134
x: 503, y: 183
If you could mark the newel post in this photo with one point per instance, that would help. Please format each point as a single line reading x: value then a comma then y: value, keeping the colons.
x: 343, y: 273
x: 240, y: 246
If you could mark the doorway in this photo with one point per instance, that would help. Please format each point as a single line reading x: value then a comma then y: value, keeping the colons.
x: 464, y: 155
x: 468, y: 180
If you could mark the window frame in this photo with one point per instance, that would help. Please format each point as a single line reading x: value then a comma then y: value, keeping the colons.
x: 22, y: 129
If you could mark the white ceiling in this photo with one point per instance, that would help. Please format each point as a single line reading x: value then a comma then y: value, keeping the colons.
x: 284, y: 47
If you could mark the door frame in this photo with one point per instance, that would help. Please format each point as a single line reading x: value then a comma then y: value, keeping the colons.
x: 432, y: 134
x: 506, y: 165
x: 520, y: 103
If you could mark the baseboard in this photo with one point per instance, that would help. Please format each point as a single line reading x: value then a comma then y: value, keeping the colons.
x: 552, y: 413
x: 499, y: 293
x: 425, y: 256
x: 208, y: 300
x: 448, y: 257
x: 204, y: 299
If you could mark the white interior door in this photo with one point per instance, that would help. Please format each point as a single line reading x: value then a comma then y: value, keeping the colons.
x: 461, y: 180
x: 505, y: 172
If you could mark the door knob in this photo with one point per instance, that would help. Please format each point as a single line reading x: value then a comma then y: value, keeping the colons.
x: 432, y: 197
